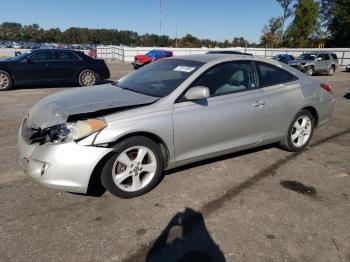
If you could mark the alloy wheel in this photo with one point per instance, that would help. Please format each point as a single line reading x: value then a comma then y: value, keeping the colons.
x: 301, y: 131
x: 134, y: 168
x: 88, y: 78
x: 4, y: 81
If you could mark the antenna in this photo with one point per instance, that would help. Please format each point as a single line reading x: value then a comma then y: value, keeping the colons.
x: 160, y: 16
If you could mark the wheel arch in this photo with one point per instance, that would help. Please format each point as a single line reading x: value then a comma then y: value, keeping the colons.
x: 95, y: 187
x: 313, y: 112
x: 10, y: 74
x: 150, y: 135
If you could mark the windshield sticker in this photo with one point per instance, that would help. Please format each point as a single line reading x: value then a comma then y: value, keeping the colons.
x: 186, y: 69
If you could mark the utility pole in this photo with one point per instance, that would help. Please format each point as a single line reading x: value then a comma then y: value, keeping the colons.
x: 176, y: 36
x: 160, y: 16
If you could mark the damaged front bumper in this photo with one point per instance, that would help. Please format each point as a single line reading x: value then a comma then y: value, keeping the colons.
x: 63, y: 166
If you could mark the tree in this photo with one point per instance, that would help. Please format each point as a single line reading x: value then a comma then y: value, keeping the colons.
x: 271, y: 33
x: 336, y: 19
x: 189, y: 41
x: 239, y: 42
x: 287, y: 12
x: 301, y: 31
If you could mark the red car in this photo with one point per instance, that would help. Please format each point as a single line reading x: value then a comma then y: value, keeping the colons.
x: 153, y: 55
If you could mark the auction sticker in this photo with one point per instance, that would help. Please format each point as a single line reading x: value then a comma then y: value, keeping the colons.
x: 186, y: 69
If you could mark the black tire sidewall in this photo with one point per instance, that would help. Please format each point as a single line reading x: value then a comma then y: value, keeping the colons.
x: 106, y: 174
x: 10, y: 81
x: 291, y: 146
x: 87, y: 70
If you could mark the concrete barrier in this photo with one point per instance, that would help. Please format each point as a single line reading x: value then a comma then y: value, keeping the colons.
x: 126, y: 54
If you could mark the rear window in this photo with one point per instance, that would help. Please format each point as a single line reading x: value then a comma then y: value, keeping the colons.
x: 66, y: 55
x: 334, y: 56
x: 273, y: 75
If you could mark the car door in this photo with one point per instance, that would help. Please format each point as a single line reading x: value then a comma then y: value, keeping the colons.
x: 68, y: 65
x: 232, y: 117
x: 320, y: 63
x: 283, y: 96
x: 35, y: 68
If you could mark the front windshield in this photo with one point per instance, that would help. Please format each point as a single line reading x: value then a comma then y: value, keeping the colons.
x: 20, y: 57
x: 307, y: 57
x: 159, y: 78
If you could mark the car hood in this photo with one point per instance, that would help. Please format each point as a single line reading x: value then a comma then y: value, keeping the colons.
x: 55, y: 109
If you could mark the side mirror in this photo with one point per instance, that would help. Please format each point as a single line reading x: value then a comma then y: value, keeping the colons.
x: 319, y: 58
x: 197, y: 93
x: 27, y: 60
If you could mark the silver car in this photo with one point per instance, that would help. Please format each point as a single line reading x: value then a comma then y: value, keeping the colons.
x: 122, y: 136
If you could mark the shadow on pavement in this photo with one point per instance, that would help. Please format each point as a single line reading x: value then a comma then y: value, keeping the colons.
x: 347, y: 96
x: 185, y: 239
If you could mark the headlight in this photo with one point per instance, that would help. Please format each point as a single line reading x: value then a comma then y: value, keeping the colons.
x: 74, y: 130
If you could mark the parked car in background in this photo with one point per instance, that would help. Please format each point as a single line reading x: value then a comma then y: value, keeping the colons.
x: 227, y: 52
x: 316, y: 62
x: 284, y: 58
x: 168, y: 114
x: 348, y: 68
x: 151, y: 56
x: 51, y: 66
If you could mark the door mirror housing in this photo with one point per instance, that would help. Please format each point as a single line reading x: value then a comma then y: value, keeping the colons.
x: 197, y: 93
x: 319, y: 58
x: 27, y: 60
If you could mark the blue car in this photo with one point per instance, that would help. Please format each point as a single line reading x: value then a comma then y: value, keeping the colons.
x: 284, y: 58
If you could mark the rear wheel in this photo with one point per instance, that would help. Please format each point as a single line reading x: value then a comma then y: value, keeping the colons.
x: 299, y: 132
x: 5, y: 81
x: 331, y: 71
x: 135, y: 168
x: 88, y: 77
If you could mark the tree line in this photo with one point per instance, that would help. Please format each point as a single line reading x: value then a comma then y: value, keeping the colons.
x: 313, y: 23
x: 10, y: 31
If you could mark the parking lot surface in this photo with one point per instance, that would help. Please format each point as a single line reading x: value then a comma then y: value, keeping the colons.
x: 258, y: 205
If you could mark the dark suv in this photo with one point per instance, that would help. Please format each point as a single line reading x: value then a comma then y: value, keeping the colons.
x: 316, y: 62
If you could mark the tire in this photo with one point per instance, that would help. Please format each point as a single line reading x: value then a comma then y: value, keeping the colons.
x: 294, y: 142
x: 87, y: 77
x: 309, y: 71
x: 124, y: 174
x: 5, y: 81
x: 331, y: 71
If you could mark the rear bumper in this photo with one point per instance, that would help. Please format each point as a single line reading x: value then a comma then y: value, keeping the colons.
x: 66, y: 166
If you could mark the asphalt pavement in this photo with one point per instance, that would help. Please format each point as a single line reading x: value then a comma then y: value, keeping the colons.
x: 263, y: 204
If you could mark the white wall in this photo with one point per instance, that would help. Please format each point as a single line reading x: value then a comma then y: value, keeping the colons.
x: 126, y: 54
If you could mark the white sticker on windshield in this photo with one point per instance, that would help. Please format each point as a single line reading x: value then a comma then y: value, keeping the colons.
x: 186, y: 69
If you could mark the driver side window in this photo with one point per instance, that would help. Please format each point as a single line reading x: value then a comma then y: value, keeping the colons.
x: 228, y: 78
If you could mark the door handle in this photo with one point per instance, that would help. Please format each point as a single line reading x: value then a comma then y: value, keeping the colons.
x: 259, y: 103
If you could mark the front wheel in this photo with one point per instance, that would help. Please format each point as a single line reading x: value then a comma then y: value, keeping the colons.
x: 309, y: 71
x: 87, y: 77
x: 300, y: 132
x: 134, y: 169
x: 5, y: 81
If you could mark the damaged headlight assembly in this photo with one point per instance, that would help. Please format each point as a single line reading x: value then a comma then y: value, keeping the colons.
x: 68, y: 132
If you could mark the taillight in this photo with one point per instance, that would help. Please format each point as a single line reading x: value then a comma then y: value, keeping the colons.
x: 326, y: 87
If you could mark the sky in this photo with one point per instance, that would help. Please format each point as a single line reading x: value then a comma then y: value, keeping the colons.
x: 212, y: 19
